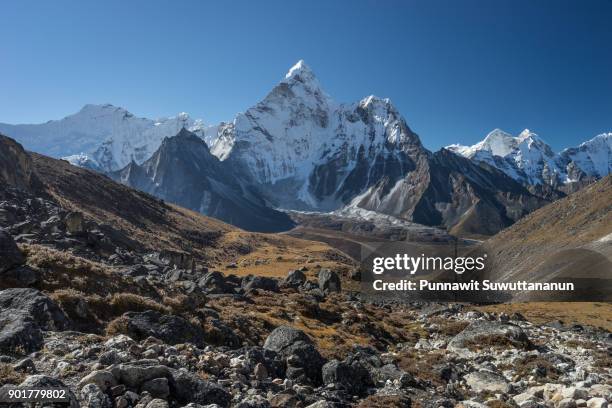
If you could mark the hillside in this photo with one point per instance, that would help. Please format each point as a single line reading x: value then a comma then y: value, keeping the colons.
x: 568, y: 239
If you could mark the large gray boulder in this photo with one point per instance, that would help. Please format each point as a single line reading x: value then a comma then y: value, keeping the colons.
x: 484, y: 333
x: 35, y: 305
x: 168, y: 328
x: 304, y: 362
x: 10, y: 255
x: 24, y: 314
x: 43, y: 381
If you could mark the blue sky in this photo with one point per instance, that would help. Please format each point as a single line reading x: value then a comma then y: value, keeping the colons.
x: 455, y: 69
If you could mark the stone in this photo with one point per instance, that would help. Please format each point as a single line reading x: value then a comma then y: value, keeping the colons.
x: 102, y: 378
x: 252, y: 282
x: 295, y: 278
x: 303, y: 359
x: 26, y: 366
x: 133, y: 376
x: 329, y: 281
x: 187, y: 387
x: 24, y: 313
x: 157, y: 403
x: 43, y: 381
x: 260, y: 372
x: 597, y: 402
x: 168, y: 328
x: 486, y: 380
x: 567, y: 403
x: 75, y: 223
x: 157, y: 387
x: 94, y: 397
x: 10, y: 255
x: 484, y: 333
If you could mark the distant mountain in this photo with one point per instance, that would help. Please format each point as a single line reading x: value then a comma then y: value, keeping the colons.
x: 303, y: 151
x: 104, y: 137
x: 529, y: 160
x: 184, y: 172
x: 298, y: 149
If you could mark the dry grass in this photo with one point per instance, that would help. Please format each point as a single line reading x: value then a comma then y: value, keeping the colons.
x: 423, y: 366
x: 9, y: 376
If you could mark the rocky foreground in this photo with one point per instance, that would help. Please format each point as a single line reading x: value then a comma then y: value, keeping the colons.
x: 157, y: 356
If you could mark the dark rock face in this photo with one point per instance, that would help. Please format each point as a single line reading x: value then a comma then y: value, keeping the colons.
x: 168, y: 328
x: 329, y: 281
x: 10, y: 255
x: 259, y: 282
x: 295, y: 278
x: 183, y: 171
x: 24, y: 314
x: 304, y: 362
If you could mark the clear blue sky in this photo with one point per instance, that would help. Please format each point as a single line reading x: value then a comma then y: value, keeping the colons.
x: 455, y: 69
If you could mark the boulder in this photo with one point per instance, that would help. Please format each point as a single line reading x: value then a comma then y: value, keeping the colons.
x: 168, y: 328
x: 295, y: 278
x: 259, y: 282
x: 484, y: 333
x: 24, y: 314
x: 43, y: 381
x: 35, y: 305
x: 75, y: 223
x: 304, y: 362
x: 486, y: 380
x: 10, y: 255
x: 157, y: 387
x: 351, y: 378
x: 215, y: 283
x: 329, y: 281
x: 94, y: 397
x: 187, y: 387
x: 102, y: 378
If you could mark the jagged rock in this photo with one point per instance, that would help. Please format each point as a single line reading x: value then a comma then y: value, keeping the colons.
x: 215, y: 283
x: 329, y: 281
x: 10, y: 255
x: 24, y: 313
x: 94, y: 397
x: 486, y: 380
x: 303, y: 360
x: 353, y: 378
x: 259, y: 282
x: 484, y: 333
x: 168, y: 328
x: 295, y: 278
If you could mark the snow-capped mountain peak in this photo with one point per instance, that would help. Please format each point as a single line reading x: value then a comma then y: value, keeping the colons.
x: 528, y: 159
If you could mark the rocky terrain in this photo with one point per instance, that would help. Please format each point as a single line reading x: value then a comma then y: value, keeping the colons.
x: 131, y: 302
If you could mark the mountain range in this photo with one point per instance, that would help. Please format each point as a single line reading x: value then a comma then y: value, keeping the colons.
x: 297, y: 149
